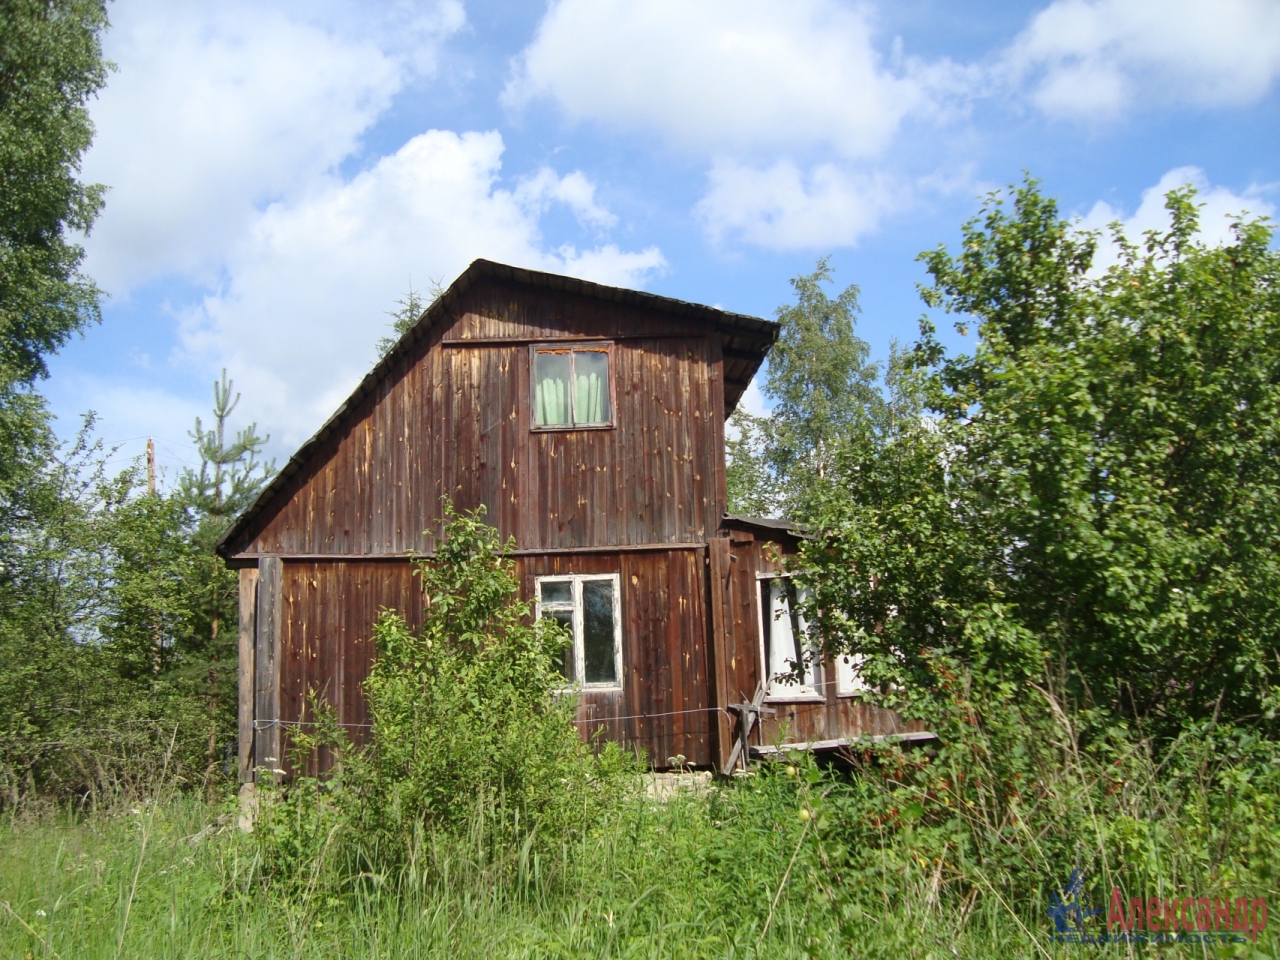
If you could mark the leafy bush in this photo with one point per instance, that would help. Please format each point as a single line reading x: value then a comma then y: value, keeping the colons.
x: 1094, y: 503
x: 469, y: 730
x: 95, y: 612
x: 115, y: 658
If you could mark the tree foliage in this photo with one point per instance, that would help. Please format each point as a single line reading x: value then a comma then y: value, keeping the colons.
x: 95, y: 612
x: 228, y: 479
x: 111, y: 660
x: 1094, y: 499
x: 50, y: 65
x: 822, y: 386
x: 409, y: 310
x: 751, y: 486
x: 230, y: 475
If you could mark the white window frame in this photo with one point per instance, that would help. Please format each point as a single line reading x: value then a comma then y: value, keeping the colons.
x: 579, y: 647
x: 778, y: 691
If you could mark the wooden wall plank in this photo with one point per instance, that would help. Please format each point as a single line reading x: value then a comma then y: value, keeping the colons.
x: 719, y: 585
x: 327, y: 637
x: 326, y: 645
x: 267, y: 741
x: 245, y: 689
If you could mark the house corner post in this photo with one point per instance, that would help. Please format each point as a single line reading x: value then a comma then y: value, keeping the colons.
x: 246, y: 676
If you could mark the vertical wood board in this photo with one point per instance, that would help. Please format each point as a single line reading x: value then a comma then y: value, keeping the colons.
x: 457, y: 420
x: 266, y: 738
x: 248, y: 611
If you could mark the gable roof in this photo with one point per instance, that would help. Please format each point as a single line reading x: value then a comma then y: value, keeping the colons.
x: 745, y: 342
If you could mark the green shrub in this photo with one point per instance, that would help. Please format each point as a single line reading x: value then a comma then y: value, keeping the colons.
x: 470, y: 730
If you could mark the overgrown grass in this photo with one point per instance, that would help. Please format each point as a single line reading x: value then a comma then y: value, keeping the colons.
x: 875, y: 866
x: 686, y: 878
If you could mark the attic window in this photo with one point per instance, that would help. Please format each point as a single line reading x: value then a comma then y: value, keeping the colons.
x: 572, y: 386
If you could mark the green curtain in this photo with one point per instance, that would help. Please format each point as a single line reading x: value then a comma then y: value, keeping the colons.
x: 589, y: 372
x: 552, y: 402
x: 591, y: 386
x: 588, y: 406
x: 551, y: 390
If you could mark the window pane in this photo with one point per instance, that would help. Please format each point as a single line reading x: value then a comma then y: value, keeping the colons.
x: 598, y: 632
x: 565, y: 619
x: 782, y: 633
x: 551, y: 389
x: 777, y: 628
x: 849, y: 674
x: 556, y: 591
x: 591, y: 386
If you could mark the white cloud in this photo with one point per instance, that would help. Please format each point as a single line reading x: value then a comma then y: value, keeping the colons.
x: 723, y: 75
x: 303, y: 305
x: 753, y: 401
x: 1091, y: 59
x: 1218, y: 207
x: 217, y: 109
x: 575, y: 191
x: 781, y: 208
x: 222, y: 137
x: 792, y: 102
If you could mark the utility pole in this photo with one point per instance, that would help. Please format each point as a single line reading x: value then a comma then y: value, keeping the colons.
x: 156, y: 640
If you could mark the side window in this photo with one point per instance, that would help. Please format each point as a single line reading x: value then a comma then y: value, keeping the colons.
x: 792, y: 670
x: 572, y: 386
x: 588, y: 606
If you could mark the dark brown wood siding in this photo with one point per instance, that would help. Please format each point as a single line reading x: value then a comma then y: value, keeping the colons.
x: 663, y: 708
x: 454, y: 419
x: 503, y: 310
x: 328, y: 610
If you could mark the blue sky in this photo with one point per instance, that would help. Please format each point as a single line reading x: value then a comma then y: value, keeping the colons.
x: 281, y: 171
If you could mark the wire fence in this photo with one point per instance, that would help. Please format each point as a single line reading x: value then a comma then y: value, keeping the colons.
x: 266, y: 724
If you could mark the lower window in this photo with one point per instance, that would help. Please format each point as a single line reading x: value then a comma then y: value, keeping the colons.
x: 588, y: 606
x: 793, y: 669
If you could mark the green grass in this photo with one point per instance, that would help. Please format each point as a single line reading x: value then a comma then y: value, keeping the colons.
x: 696, y: 876
x: 673, y: 880
x: 663, y: 881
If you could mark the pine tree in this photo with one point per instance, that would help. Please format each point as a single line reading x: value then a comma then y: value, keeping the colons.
x: 410, y: 309
x: 229, y: 478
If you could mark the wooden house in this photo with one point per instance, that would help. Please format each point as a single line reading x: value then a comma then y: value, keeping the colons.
x: 589, y: 421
